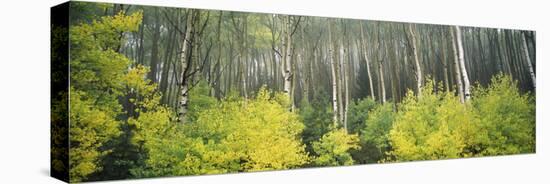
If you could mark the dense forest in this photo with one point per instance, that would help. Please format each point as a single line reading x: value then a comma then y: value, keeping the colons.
x: 168, y: 91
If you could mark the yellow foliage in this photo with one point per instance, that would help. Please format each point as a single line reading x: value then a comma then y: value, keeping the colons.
x: 499, y: 120
x: 90, y: 128
x: 332, y: 149
x: 99, y: 76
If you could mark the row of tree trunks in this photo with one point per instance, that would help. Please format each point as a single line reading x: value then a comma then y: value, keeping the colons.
x: 404, y: 56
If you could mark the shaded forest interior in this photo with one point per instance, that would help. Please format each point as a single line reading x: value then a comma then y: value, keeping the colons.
x: 245, y: 51
x: 343, y: 91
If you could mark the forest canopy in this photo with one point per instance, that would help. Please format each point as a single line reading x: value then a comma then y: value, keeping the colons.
x: 170, y: 91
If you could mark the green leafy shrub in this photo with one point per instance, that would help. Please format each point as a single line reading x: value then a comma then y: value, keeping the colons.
x: 90, y: 128
x: 507, y: 117
x: 435, y: 126
x: 317, y: 118
x: 497, y: 121
x: 97, y: 70
x: 159, y: 141
x: 375, y: 134
x: 333, y: 148
x: 358, y: 112
x: 233, y: 136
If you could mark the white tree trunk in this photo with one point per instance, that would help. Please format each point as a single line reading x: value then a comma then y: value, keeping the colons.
x: 287, y: 73
x: 184, y: 86
x: 417, y: 62
x: 457, y: 67
x: 462, y: 64
x: 373, y: 96
x: 365, y: 53
x: 333, y: 72
x: 529, y: 65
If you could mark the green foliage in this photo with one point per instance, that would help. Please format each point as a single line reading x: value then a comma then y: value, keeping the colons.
x: 99, y: 77
x: 317, y: 118
x: 90, y: 127
x: 333, y: 148
x: 59, y: 101
x: 86, y: 12
x: 259, y: 134
x: 104, y: 34
x: 157, y: 137
x: 358, y: 112
x: 141, y: 103
x: 375, y: 133
x: 232, y: 136
x: 433, y: 126
x: 499, y: 120
x: 282, y: 99
x: 117, y: 121
x: 95, y: 66
x: 59, y: 130
x: 507, y: 117
x: 202, y: 100
x: 167, y: 149
x: 140, y: 93
x: 259, y: 31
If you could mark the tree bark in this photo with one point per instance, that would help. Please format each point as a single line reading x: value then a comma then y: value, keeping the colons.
x: 529, y: 65
x: 417, y: 62
x: 287, y: 45
x: 333, y: 72
x: 216, y: 85
x: 365, y: 53
x: 167, y: 66
x: 382, y: 83
x: 141, y: 48
x: 457, y: 66
x: 154, y: 49
x: 346, y: 88
x: 445, y: 62
x: 462, y: 64
x: 185, y: 62
x: 340, y: 77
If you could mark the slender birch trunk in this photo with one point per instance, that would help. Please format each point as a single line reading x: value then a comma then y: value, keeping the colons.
x: 333, y: 72
x: 184, y: 86
x: 462, y: 64
x: 287, y: 72
x: 365, y: 53
x: 457, y: 67
x: 417, y: 62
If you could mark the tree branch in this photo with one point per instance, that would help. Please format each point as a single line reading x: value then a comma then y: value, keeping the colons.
x: 172, y: 23
x: 295, y: 26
